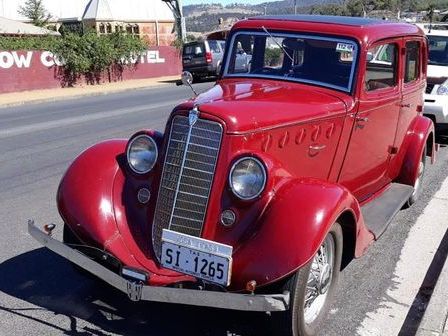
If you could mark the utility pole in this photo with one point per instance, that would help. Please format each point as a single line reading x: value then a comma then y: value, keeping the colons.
x: 176, y: 8
x: 295, y: 6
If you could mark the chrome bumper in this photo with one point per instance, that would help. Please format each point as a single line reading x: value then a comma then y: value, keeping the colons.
x: 138, y: 291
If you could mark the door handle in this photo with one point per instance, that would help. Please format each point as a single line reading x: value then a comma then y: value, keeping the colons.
x: 317, y: 147
x: 361, y: 119
x: 405, y: 105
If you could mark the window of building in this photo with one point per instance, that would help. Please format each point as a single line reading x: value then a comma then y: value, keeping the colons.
x: 381, y: 67
x: 412, y: 71
x: 136, y: 30
x: 102, y: 29
x: 108, y: 28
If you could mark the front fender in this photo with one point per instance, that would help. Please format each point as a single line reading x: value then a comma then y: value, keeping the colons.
x: 292, y: 229
x: 421, y: 133
x: 90, y: 203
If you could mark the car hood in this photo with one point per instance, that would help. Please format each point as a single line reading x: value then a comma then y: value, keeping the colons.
x: 251, y: 105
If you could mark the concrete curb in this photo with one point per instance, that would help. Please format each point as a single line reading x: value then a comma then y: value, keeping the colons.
x: 435, y: 320
x: 59, y: 94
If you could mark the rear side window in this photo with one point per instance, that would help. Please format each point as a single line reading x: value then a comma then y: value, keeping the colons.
x: 412, y: 71
x: 214, y: 47
x: 381, y: 67
x: 197, y: 49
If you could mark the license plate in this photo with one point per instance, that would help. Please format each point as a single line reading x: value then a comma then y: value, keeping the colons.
x: 198, y: 257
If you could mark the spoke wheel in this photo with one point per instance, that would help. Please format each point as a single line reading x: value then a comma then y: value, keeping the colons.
x: 311, y: 290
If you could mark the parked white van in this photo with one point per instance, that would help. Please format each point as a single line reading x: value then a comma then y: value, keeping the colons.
x: 436, y: 96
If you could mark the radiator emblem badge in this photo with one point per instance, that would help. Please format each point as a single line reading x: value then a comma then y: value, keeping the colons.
x: 134, y: 290
x: 193, y: 116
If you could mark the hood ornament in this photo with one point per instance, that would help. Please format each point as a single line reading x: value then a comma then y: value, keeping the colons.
x: 193, y: 116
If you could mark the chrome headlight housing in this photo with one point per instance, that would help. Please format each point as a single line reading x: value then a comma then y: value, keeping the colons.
x: 247, y: 178
x: 443, y: 89
x: 142, y: 154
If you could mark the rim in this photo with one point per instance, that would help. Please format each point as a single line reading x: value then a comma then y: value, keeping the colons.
x: 421, y: 170
x: 319, y: 280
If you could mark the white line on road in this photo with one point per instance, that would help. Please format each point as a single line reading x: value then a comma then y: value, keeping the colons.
x: 416, y: 256
x: 41, y: 126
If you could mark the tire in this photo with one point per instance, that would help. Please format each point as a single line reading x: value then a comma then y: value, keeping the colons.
x: 418, y: 185
x: 307, y: 319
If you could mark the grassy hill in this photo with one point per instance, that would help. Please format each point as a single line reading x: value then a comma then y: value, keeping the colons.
x: 204, y: 18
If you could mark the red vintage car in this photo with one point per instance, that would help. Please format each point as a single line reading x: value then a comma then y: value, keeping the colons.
x: 263, y: 188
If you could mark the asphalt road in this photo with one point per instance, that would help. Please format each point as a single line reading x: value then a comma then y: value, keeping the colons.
x: 40, y: 294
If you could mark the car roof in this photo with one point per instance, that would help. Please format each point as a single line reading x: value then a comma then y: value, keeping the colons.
x: 365, y: 30
x: 341, y: 20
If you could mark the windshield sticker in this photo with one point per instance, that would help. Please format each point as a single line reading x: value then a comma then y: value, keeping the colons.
x: 344, y: 47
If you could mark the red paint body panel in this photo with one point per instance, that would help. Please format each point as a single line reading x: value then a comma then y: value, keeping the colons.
x: 280, y: 123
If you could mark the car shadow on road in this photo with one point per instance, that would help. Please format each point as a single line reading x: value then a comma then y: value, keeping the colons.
x: 48, y: 281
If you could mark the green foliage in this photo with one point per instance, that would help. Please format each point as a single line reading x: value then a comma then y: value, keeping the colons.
x: 36, y: 12
x: 92, y: 54
x: 272, y: 56
x: 27, y: 43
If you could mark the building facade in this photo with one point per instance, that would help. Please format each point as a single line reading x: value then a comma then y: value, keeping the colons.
x: 152, y: 20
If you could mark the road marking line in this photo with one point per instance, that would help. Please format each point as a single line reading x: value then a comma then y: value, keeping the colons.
x: 9, y: 132
x: 418, y: 251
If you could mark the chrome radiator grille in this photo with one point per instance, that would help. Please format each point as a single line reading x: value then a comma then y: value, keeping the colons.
x: 187, y: 177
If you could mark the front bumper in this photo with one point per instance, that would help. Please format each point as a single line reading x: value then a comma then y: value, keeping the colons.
x: 436, y: 106
x: 138, y: 291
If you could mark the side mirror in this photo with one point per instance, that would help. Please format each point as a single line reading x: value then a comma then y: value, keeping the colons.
x: 187, y: 79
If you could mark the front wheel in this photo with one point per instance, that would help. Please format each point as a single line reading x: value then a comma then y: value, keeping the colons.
x: 311, y: 289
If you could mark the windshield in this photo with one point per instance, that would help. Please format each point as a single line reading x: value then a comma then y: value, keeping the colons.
x: 438, y: 50
x: 317, y: 60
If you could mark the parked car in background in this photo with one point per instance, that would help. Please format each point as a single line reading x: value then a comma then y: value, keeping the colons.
x: 203, y: 58
x: 436, y: 96
x: 263, y: 188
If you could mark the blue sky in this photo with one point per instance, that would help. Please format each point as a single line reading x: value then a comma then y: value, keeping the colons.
x: 224, y: 2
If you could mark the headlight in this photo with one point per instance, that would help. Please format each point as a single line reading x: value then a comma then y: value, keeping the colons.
x: 247, y: 178
x: 142, y: 154
x: 443, y: 88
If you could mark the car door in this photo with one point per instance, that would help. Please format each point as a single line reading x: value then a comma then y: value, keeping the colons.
x: 365, y: 167
x: 412, y: 93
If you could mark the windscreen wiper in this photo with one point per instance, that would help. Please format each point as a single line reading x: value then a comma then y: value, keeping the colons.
x: 281, y: 47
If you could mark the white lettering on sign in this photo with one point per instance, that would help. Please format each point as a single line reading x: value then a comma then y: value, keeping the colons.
x: 22, y: 60
x: 153, y: 56
x: 9, y: 59
x: 48, y: 59
x: 6, y: 60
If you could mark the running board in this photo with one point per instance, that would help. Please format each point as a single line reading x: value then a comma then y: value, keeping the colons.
x: 379, y: 213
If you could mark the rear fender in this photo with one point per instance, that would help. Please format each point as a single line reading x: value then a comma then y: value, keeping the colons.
x: 293, y: 227
x: 418, y: 137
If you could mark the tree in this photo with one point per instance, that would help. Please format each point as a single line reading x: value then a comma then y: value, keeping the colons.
x: 36, y: 12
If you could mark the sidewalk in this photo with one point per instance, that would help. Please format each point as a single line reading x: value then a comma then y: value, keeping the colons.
x: 18, y: 98
x: 435, y: 320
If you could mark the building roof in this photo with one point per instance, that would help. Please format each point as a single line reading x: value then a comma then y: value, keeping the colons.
x: 130, y: 10
x: 117, y: 10
x: 11, y: 27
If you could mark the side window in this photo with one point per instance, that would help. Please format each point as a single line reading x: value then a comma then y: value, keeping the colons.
x: 381, y: 67
x: 214, y: 47
x: 412, y: 71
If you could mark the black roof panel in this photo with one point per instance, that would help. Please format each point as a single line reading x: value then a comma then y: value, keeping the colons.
x: 342, y: 20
